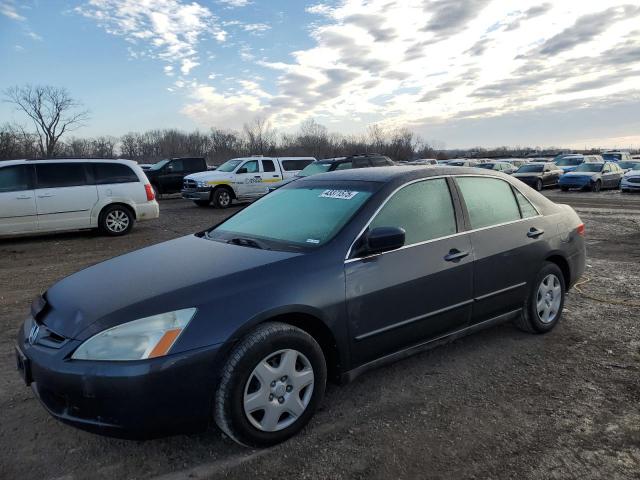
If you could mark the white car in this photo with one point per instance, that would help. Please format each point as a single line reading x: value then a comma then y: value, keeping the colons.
x: 630, y: 181
x: 38, y: 196
x: 241, y: 179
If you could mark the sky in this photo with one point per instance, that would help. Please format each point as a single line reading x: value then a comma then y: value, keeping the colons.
x: 460, y: 73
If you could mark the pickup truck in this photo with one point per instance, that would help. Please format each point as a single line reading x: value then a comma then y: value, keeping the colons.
x: 166, y: 176
x: 241, y: 179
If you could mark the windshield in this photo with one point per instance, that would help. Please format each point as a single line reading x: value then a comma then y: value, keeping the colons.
x: 530, y: 168
x: 589, y: 167
x: 229, y: 165
x: 612, y: 157
x: 293, y: 218
x: 159, y: 165
x: 627, y: 164
x: 569, y: 161
x: 486, y: 165
x: 314, y: 168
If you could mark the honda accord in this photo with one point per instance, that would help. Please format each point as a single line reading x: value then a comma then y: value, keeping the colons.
x: 324, y: 279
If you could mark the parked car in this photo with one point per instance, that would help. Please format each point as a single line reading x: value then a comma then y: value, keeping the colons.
x: 503, y: 167
x: 443, y: 162
x: 241, y: 179
x: 592, y: 176
x: 516, y: 162
x: 539, y: 175
x: 38, y: 196
x: 462, y: 163
x: 616, y: 156
x: 631, y: 180
x: 627, y: 165
x: 423, y: 161
x: 325, y: 278
x: 570, y: 162
x: 167, y: 175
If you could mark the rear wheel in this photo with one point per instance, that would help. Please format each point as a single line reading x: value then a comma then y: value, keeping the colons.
x: 115, y: 220
x: 222, y: 197
x: 544, y: 304
x: 539, y: 185
x: 271, y: 385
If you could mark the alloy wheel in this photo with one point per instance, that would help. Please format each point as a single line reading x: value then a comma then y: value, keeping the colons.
x: 117, y: 221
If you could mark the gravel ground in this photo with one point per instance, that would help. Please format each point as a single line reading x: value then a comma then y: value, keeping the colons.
x: 499, y: 404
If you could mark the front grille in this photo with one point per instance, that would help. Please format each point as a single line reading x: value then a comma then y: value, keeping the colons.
x: 190, y: 184
x: 633, y: 180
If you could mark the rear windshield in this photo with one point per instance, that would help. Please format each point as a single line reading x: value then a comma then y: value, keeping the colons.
x: 569, y: 161
x: 589, y: 167
x: 314, y: 168
x: 530, y: 168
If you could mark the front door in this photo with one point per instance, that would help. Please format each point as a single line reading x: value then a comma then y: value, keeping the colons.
x: 64, y: 198
x: 174, y: 173
x: 407, y: 296
x: 17, y: 200
x: 248, y: 180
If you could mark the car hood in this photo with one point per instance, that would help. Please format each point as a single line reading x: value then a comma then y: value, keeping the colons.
x: 161, y: 278
x: 632, y: 173
x: 212, y: 176
x: 581, y: 174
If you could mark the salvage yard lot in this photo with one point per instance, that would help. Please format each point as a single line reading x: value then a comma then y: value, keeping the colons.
x: 498, y: 404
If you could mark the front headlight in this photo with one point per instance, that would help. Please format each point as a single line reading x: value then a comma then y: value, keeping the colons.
x: 201, y: 183
x: 147, y: 337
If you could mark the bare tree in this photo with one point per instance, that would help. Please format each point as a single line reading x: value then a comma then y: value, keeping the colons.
x: 52, y: 111
x: 261, y: 138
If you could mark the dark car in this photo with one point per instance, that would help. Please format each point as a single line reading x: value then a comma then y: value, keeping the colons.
x: 592, y: 176
x: 167, y: 176
x: 325, y: 278
x: 539, y: 175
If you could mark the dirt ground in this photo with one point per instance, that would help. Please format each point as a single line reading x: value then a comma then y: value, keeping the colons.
x: 500, y: 404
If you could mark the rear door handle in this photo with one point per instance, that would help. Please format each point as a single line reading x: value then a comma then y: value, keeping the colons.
x: 534, y: 232
x: 455, y: 255
x: 46, y: 196
x: 276, y: 176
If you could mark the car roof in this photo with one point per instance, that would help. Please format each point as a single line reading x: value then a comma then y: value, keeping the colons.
x: 393, y: 173
x: 67, y: 160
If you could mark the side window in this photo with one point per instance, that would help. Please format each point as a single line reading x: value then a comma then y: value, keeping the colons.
x: 105, y: 173
x: 378, y: 162
x: 424, y: 209
x: 293, y: 165
x: 489, y: 201
x: 252, y: 166
x: 14, y: 179
x: 344, y: 166
x: 268, y: 166
x: 361, y: 163
x: 56, y: 175
x: 606, y: 169
x: 526, y: 209
x: 177, y: 166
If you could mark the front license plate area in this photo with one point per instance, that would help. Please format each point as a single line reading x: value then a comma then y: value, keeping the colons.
x: 24, y: 366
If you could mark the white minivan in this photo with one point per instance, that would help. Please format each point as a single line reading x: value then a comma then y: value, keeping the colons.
x: 241, y: 179
x: 39, y: 196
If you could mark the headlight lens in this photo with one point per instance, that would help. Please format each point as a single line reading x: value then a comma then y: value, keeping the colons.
x: 201, y: 183
x: 147, y: 337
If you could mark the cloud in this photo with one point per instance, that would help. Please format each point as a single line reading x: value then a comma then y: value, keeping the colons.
x: 256, y: 28
x: 8, y: 9
x: 235, y: 3
x: 449, y: 16
x: 166, y: 29
x: 533, y: 12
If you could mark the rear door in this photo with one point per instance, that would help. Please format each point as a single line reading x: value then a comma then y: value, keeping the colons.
x: 271, y: 174
x: 508, y: 235
x: 407, y: 296
x: 18, y: 212
x: 64, y: 195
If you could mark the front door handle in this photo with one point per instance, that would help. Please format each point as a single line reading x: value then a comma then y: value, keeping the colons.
x: 534, y: 232
x: 455, y: 255
x: 46, y: 195
x: 23, y: 198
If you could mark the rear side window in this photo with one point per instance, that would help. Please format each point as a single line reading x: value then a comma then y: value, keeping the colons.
x: 292, y: 165
x: 423, y: 209
x: 56, y: 175
x: 526, y: 208
x: 268, y: 166
x: 14, y: 178
x: 489, y: 201
x: 105, y: 173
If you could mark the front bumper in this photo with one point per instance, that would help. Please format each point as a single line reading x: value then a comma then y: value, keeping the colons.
x: 632, y: 183
x: 139, y: 400
x: 203, y: 193
x: 575, y: 182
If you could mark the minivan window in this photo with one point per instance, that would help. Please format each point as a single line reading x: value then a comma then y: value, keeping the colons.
x: 57, y: 175
x: 105, y: 173
x: 14, y: 178
x: 423, y: 209
x: 489, y: 201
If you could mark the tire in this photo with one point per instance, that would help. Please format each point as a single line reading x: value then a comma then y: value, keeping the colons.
x: 202, y: 203
x: 564, y: 189
x: 115, y: 220
x: 596, y: 187
x: 222, y: 197
x: 539, y: 185
x: 270, y: 343
x: 548, y: 290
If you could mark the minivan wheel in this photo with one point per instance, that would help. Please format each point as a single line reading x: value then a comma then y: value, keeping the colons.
x: 539, y: 185
x: 270, y: 386
x: 222, y: 198
x: 115, y: 220
x: 544, y: 304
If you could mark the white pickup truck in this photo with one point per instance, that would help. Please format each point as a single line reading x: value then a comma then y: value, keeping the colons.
x: 241, y: 179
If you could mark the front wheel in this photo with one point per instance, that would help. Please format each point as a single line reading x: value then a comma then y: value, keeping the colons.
x: 545, y: 301
x: 222, y: 198
x: 596, y: 187
x: 539, y: 185
x: 271, y: 385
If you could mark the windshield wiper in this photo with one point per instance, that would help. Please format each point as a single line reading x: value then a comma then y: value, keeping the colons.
x: 247, y: 242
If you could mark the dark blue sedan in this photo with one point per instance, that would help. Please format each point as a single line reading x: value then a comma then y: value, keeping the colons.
x: 592, y: 176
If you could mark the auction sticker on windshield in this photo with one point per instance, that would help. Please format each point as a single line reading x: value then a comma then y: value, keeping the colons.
x: 340, y: 194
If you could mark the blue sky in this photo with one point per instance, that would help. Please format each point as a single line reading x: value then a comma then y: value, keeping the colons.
x: 460, y: 72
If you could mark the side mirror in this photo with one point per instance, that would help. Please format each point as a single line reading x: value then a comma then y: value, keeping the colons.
x: 242, y: 170
x: 384, y: 239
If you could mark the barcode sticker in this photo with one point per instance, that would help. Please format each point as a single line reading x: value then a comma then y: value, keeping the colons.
x: 339, y: 194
